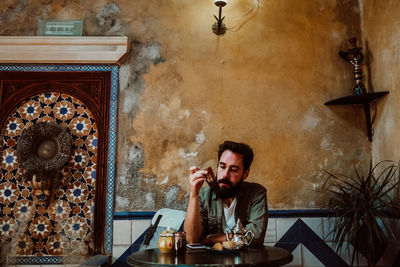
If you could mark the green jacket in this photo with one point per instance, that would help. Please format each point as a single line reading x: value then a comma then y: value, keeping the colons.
x: 251, y: 208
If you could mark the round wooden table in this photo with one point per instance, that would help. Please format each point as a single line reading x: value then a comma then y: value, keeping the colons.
x: 264, y: 256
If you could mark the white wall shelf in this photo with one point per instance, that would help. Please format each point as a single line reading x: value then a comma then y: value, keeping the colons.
x: 60, y: 49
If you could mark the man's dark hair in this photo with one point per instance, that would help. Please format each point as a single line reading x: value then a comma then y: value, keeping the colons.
x: 239, y: 148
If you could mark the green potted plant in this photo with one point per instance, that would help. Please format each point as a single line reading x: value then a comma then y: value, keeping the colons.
x: 362, y: 204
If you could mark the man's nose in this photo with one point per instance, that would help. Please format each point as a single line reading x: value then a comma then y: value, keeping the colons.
x: 226, y: 173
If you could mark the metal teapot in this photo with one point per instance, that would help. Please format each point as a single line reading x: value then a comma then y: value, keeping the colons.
x: 240, y: 235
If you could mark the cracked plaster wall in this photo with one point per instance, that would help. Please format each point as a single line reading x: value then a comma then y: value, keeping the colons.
x: 184, y: 90
x: 381, y: 34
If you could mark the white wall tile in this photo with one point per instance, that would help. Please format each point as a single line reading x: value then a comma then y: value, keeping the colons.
x: 309, y: 260
x: 346, y: 254
x: 138, y: 227
x: 328, y: 224
x: 282, y: 225
x: 70, y: 265
x: 54, y: 265
x: 386, y: 260
x: 315, y: 224
x: 122, y: 232
x: 297, y: 261
x: 270, y: 235
x: 332, y: 246
x: 117, y: 251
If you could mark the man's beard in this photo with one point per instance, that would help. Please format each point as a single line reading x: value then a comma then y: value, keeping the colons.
x: 228, y: 192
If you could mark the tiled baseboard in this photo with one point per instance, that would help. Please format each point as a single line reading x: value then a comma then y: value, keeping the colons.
x: 125, y: 233
x: 128, y: 229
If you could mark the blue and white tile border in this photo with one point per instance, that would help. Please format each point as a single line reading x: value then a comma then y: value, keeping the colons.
x: 111, y: 142
x: 33, y: 260
x: 302, y: 232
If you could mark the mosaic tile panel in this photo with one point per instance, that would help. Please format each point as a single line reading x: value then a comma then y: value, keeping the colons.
x: 63, y: 226
x: 111, y: 151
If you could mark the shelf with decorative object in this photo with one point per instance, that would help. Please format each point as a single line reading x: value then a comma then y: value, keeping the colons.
x: 362, y: 99
x: 360, y: 95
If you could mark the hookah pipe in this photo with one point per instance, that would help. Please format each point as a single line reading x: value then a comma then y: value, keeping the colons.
x: 355, y: 57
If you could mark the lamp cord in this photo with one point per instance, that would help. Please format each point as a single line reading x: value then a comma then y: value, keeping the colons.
x: 251, y: 13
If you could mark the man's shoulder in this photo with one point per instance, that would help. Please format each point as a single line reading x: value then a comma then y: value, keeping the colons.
x: 253, y: 187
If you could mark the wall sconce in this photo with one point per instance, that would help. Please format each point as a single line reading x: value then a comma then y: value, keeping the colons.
x: 219, y: 27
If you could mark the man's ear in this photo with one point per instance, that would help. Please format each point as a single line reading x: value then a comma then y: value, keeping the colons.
x: 246, y: 174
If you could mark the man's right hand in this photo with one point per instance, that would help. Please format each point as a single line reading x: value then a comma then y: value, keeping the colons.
x: 196, y: 180
x: 193, y: 227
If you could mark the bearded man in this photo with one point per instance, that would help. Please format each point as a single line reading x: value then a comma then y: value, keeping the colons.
x: 212, y: 212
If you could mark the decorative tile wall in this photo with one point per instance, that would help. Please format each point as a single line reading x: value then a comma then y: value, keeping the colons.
x: 62, y: 211
x: 63, y: 226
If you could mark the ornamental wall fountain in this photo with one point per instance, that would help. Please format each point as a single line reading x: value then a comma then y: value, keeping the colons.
x: 58, y: 129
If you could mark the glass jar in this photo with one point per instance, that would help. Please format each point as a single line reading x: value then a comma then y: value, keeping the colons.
x: 166, y: 241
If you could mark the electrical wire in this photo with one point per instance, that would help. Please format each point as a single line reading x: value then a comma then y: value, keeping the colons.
x: 246, y: 17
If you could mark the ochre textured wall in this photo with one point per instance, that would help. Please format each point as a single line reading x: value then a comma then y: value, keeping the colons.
x: 381, y: 34
x: 184, y: 90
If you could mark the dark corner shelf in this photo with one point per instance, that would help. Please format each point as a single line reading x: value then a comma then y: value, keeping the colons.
x: 365, y: 100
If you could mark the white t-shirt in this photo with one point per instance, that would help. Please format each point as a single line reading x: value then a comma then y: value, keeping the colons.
x: 229, y: 215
